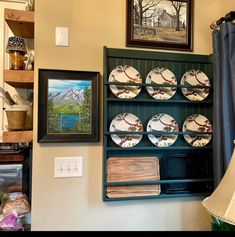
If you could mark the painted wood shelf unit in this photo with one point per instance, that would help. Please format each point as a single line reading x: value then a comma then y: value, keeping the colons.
x: 184, y: 170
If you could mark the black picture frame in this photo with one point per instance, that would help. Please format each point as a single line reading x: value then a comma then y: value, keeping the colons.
x: 158, y: 26
x: 68, y: 106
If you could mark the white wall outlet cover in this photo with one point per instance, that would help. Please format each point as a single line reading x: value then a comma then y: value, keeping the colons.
x: 62, y: 36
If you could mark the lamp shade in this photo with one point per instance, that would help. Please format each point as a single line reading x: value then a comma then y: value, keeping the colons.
x: 16, y: 43
x: 221, y: 203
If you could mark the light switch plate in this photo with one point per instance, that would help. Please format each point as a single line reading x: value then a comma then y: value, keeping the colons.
x: 62, y: 36
x: 68, y: 167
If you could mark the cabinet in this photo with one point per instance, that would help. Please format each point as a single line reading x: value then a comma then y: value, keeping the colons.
x: 181, y: 170
x: 22, y: 24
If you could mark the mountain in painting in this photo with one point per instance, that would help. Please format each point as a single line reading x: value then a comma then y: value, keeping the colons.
x: 71, y: 96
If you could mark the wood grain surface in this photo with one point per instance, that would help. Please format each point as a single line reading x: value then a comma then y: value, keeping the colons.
x: 124, y: 169
x: 133, y: 190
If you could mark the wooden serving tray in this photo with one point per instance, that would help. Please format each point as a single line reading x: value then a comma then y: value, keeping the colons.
x: 124, y: 169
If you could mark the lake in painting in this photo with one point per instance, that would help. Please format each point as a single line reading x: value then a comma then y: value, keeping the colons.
x: 69, y: 121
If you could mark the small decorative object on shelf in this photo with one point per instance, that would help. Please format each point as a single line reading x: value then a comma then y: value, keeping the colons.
x: 30, y: 61
x: 30, y: 5
x: 16, y: 118
x: 16, y: 49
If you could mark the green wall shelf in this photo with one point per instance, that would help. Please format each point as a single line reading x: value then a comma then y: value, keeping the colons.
x: 185, y: 171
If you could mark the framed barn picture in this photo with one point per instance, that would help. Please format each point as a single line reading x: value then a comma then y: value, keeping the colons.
x: 162, y: 24
x: 68, y: 106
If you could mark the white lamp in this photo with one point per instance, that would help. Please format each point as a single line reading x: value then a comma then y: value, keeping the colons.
x: 221, y: 203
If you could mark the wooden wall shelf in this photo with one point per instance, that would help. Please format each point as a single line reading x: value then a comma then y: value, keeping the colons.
x: 12, y: 157
x: 19, y: 78
x: 20, y: 22
x: 17, y: 136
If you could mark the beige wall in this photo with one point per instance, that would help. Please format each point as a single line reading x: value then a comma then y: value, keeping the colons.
x: 226, y: 6
x: 76, y: 203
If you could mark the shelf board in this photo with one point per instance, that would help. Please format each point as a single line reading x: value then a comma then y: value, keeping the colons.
x: 158, y: 133
x: 19, y: 78
x: 18, y: 136
x: 20, y: 22
x: 150, y: 148
x: 155, y: 85
x: 149, y: 182
x: 117, y: 100
x: 11, y: 157
x: 177, y: 195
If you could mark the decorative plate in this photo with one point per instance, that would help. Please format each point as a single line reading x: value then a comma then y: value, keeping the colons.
x: 197, y: 123
x: 125, y: 74
x: 161, y: 76
x: 162, y: 123
x: 195, y: 78
x: 126, y: 122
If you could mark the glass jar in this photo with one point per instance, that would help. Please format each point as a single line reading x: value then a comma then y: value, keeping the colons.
x: 16, y: 60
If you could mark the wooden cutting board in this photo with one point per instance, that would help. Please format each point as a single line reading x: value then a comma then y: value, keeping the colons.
x: 124, y: 169
x: 133, y: 190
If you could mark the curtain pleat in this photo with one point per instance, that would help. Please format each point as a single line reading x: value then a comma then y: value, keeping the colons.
x: 223, y: 98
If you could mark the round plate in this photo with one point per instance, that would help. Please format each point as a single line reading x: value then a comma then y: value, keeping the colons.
x: 162, y: 123
x: 161, y: 76
x: 195, y: 78
x: 197, y: 123
x: 125, y: 74
x: 126, y: 122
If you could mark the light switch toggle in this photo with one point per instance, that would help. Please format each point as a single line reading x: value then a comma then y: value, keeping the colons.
x: 62, y: 36
x: 68, y: 167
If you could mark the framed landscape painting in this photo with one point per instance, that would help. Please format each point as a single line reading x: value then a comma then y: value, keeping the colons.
x: 68, y: 106
x: 162, y: 24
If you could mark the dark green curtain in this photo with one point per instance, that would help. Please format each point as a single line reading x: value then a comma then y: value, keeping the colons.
x: 223, y: 98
